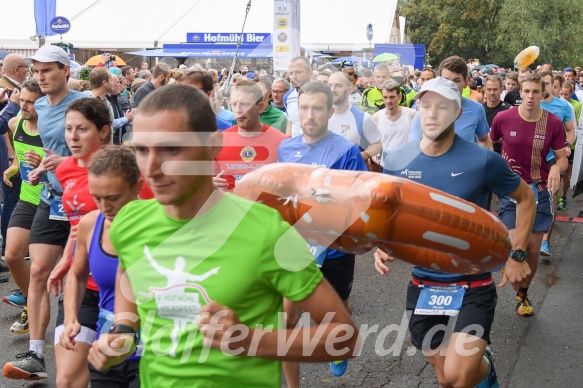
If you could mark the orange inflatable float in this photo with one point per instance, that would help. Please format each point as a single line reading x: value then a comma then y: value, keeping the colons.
x: 356, y: 211
x: 526, y: 57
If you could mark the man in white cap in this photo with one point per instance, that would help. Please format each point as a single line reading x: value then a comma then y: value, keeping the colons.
x: 50, y: 228
x: 454, y: 337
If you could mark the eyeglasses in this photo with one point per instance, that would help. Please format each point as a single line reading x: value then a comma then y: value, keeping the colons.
x: 278, y: 91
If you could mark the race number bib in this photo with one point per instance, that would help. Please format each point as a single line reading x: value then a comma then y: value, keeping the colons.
x: 57, y: 210
x: 440, y: 300
x: 319, y: 253
x: 25, y: 168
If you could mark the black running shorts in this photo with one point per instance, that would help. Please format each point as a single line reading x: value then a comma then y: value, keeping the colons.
x: 22, y: 215
x: 47, y: 231
x: 478, y: 308
x: 339, y: 272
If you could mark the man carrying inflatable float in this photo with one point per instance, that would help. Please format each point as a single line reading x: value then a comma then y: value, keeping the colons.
x: 453, y: 243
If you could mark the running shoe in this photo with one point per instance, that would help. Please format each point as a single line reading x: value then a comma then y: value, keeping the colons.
x: 16, y: 299
x: 562, y: 205
x: 27, y: 367
x: 27, y: 256
x: 491, y: 380
x: 545, y: 248
x: 3, y: 278
x: 21, y: 325
x: 523, y: 306
x: 338, y: 367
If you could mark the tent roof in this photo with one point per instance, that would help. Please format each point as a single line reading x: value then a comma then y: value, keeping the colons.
x: 125, y: 24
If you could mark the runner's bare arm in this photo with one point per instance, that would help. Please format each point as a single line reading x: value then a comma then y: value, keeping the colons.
x: 485, y: 142
x: 519, y: 272
x: 113, y: 349
x: 333, y: 337
x: 77, y: 282
x: 288, y: 130
x: 560, y: 166
x: 55, y: 282
x: 570, y: 128
x: 372, y: 150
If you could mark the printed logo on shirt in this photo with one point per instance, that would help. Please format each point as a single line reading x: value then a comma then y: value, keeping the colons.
x: 539, y: 137
x: 344, y: 130
x: 512, y: 133
x: 298, y: 154
x: 412, y: 174
x: 69, y: 185
x: 76, y: 206
x: 248, y: 153
x: 180, y: 301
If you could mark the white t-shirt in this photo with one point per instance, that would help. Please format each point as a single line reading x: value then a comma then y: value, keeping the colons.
x: 394, y: 133
x: 293, y: 113
x: 344, y: 124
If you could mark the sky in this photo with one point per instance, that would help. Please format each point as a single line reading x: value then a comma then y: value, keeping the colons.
x: 109, y: 24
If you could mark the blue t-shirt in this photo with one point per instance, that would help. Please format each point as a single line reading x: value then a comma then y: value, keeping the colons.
x: 222, y: 124
x: 466, y: 170
x: 333, y: 151
x: 227, y: 115
x: 51, y: 129
x: 562, y: 110
x: 471, y: 124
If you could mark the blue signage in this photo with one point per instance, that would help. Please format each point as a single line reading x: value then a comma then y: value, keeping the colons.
x: 60, y: 25
x: 226, y: 37
x: 369, y: 32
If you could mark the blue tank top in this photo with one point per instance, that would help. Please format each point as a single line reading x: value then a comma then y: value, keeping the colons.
x: 103, y: 267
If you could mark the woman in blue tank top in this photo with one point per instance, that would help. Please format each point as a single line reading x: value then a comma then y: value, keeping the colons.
x: 114, y: 180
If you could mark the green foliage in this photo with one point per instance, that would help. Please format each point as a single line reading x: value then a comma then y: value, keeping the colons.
x: 495, y: 31
x: 84, y: 74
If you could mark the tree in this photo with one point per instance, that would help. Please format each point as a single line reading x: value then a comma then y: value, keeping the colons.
x: 494, y: 31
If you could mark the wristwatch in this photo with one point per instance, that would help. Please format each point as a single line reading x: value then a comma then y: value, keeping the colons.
x: 518, y: 255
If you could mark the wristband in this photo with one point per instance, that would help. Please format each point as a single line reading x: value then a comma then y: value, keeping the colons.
x: 123, y: 329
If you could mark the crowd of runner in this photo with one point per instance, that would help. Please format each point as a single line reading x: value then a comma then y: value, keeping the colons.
x: 121, y: 185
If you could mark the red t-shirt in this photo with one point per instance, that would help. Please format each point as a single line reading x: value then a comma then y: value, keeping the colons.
x: 241, y: 154
x: 526, y: 144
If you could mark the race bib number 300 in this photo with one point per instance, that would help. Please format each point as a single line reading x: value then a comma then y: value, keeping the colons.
x: 440, y: 300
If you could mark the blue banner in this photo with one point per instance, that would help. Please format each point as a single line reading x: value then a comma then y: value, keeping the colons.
x: 44, y: 12
x: 226, y: 37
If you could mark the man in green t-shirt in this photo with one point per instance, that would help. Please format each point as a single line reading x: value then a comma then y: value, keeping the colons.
x: 208, y: 271
x: 271, y: 115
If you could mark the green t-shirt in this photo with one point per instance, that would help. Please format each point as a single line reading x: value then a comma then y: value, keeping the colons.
x: 25, y: 141
x: 241, y: 254
x: 274, y: 118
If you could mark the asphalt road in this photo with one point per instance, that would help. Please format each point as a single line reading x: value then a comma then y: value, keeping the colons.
x: 542, y: 351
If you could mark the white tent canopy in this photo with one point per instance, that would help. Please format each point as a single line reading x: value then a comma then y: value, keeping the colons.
x: 124, y: 24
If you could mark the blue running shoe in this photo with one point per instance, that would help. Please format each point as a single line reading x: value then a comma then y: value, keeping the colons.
x: 491, y: 380
x: 545, y: 248
x: 15, y: 299
x: 338, y: 367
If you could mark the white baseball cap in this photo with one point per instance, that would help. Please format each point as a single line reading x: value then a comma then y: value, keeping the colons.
x: 50, y: 53
x: 443, y: 87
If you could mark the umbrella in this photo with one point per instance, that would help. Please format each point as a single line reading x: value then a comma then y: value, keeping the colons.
x: 384, y: 57
x: 94, y: 60
x: 491, y: 65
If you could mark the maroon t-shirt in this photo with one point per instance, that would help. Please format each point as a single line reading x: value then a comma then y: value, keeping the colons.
x: 525, y: 144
